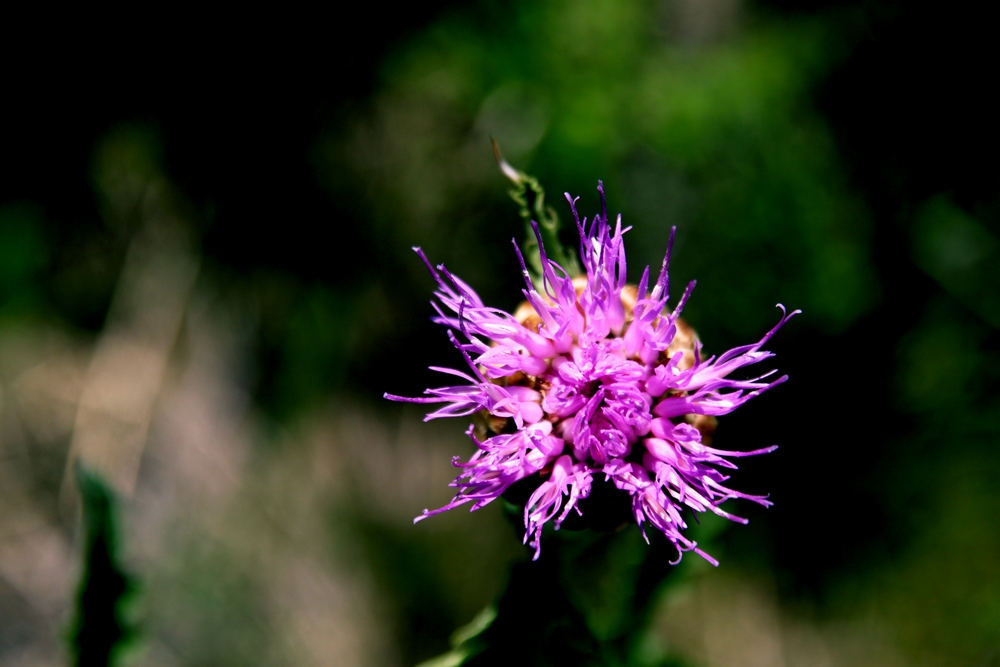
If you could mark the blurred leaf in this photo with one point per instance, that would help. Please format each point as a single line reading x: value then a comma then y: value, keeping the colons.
x: 101, y: 631
x: 466, y: 642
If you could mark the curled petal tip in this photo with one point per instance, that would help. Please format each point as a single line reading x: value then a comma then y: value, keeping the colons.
x: 797, y: 311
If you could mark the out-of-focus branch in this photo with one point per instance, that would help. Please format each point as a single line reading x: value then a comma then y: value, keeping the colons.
x: 130, y: 358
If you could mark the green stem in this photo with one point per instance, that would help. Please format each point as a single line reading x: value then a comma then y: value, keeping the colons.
x: 530, y: 198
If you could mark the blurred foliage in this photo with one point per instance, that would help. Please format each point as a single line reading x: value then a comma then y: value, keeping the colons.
x: 718, y: 138
x: 960, y: 253
x: 24, y: 254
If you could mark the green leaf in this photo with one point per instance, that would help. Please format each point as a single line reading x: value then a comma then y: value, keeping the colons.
x: 100, y: 630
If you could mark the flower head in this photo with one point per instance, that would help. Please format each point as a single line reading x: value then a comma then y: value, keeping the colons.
x: 591, y: 377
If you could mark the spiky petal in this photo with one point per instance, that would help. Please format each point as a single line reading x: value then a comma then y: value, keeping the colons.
x: 597, y: 377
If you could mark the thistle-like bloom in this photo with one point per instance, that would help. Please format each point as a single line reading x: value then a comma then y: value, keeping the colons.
x: 592, y: 377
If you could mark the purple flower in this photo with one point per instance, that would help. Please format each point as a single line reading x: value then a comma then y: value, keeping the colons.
x: 592, y: 376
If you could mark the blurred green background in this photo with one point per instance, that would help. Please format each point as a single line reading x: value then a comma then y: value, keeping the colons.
x: 206, y: 284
